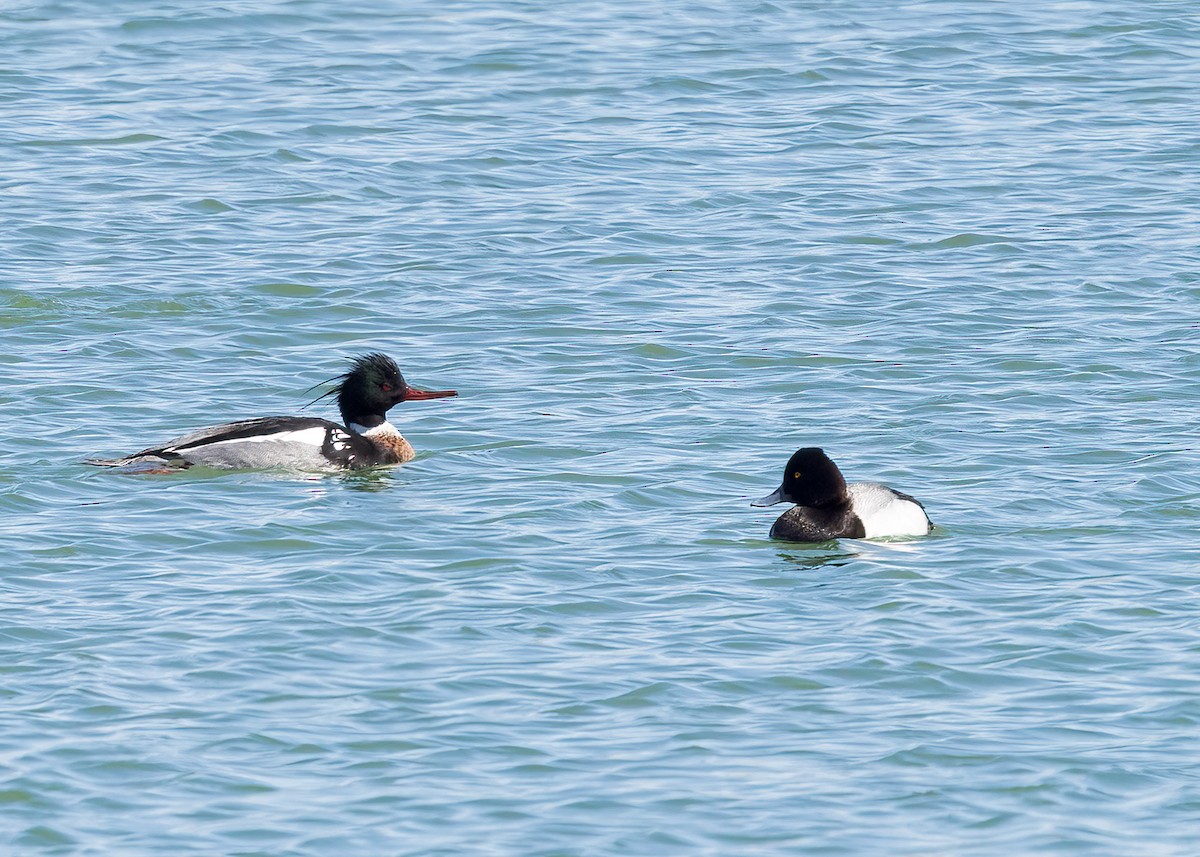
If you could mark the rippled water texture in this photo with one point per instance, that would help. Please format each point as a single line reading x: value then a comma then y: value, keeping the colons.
x: 656, y: 247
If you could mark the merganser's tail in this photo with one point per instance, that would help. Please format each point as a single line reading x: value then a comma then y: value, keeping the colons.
x: 154, y: 462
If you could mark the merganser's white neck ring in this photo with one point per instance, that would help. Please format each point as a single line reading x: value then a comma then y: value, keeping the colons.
x: 366, y: 439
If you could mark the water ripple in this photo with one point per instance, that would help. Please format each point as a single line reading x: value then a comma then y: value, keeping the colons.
x: 656, y: 248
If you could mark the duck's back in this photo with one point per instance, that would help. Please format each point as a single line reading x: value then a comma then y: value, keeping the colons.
x: 887, y: 512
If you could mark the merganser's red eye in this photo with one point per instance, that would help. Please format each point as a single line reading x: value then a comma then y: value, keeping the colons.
x: 386, y: 387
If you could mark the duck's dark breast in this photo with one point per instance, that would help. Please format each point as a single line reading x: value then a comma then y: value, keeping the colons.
x: 808, y: 524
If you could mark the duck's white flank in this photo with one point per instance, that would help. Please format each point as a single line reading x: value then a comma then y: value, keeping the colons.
x: 884, y: 514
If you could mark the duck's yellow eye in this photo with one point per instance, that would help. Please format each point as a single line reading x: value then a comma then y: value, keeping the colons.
x: 796, y: 475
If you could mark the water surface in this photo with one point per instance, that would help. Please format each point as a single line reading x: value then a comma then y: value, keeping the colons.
x: 656, y: 247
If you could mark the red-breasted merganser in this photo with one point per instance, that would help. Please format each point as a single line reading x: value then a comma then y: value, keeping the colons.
x: 364, y: 394
x: 827, y: 508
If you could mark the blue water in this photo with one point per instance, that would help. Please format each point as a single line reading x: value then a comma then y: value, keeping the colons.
x: 656, y: 248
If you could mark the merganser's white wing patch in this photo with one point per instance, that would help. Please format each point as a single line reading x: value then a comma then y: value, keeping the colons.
x: 339, y: 440
x: 314, y: 436
x: 884, y: 512
x: 260, y: 427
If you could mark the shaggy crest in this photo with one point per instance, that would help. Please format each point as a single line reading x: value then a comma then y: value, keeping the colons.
x: 376, y: 364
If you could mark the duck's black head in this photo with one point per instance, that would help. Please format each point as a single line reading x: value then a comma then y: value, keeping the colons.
x: 810, y: 479
x: 372, y: 387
